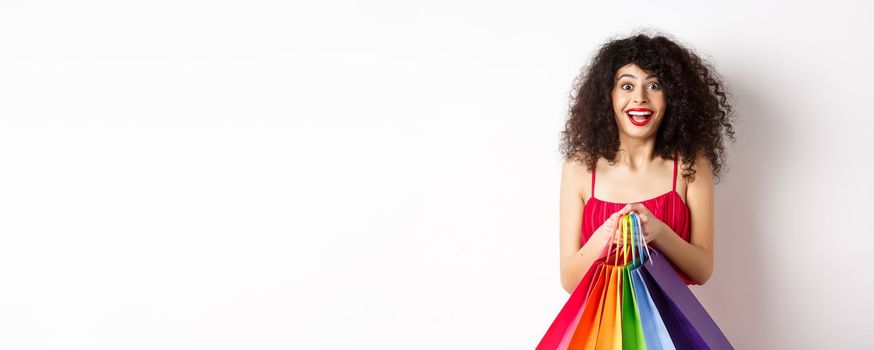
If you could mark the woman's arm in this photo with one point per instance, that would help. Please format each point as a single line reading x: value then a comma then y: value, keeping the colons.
x: 694, y: 258
x: 574, y: 260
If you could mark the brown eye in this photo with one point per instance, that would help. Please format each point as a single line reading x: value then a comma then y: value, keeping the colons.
x: 657, y: 86
x: 624, y: 85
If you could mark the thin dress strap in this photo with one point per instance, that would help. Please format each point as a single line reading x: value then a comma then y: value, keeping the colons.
x: 594, y: 165
x: 674, y: 186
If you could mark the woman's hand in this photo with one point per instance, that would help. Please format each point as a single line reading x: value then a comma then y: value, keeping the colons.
x: 609, y: 229
x: 652, y: 227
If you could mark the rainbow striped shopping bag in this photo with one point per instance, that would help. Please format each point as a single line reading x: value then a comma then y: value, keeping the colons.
x: 633, y: 299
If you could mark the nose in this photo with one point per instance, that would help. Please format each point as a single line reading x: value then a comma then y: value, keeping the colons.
x: 640, y: 98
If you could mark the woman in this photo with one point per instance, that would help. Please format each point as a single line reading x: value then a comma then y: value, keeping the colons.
x: 643, y: 111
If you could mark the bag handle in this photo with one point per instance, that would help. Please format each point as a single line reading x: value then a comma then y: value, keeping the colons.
x: 619, y: 249
x: 622, y: 248
x: 643, y: 246
x: 634, y: 246
x: 631, y: 246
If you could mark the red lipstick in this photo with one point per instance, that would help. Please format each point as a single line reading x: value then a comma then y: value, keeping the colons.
x: 641, y: 118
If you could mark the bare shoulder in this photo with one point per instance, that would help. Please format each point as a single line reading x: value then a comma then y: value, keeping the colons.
x: 700, y: 189
x: 576, y: 162
x: 702, y: 179
x: 575, y: 173
x: 701, y: 203
x: 703, y: 170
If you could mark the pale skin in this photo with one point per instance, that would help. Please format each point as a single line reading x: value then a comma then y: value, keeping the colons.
x: 638, y: 174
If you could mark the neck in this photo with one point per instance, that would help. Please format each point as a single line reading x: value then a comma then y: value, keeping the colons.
x: 636, y: 153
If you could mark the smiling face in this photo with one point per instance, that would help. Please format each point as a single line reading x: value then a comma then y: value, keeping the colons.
x: 638, y: 102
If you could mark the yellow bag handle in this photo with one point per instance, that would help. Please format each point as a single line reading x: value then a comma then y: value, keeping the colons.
x: 632, y: 248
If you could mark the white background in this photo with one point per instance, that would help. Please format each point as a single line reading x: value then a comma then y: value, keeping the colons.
x: 384, y: 175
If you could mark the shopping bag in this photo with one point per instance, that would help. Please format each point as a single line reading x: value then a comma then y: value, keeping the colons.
x: 632, y: 332
x: 598, y: 320
x: 655, y: 334
x: 686, y: 319
x: 635, y: 301
x: 610, y: 331
x: 683, y: 334
x: 584, y: 335
x: 559, y: 332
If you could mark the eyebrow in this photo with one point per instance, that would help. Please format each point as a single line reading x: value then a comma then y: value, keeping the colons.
x: 633, y: 77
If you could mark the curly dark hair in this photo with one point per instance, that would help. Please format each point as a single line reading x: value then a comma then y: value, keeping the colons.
x: 698, y: 112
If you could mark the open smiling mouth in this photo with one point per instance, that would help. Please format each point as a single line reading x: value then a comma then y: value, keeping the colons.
x: 639, y: 117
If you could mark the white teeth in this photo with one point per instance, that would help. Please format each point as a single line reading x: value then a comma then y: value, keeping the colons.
x: 639, y: 113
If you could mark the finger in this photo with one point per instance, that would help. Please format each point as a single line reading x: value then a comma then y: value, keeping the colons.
x: 642, y: 208
x: 618, y: 217
x: 611, y: 221
x: 647, y: 237
x: 644, y: 218
x: 627, y: 208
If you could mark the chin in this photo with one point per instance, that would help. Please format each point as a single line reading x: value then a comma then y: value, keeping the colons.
x: 640, y: 136
x: 639, y: 133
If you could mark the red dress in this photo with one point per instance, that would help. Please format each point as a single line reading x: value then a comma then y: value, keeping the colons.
x: 668, y: 207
